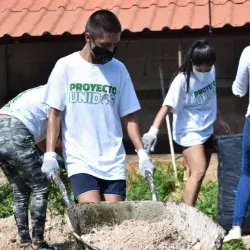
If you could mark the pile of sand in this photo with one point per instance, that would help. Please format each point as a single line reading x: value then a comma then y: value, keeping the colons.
x: 139, y: 235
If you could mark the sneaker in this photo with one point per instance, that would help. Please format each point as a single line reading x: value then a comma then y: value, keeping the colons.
x: 234, y: 234
x: 43, y: 246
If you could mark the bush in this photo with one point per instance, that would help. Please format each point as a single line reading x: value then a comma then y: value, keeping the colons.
x: 138, y: 188
x: 234, y: 245
x: 6, y: 200
x: 207, y: 200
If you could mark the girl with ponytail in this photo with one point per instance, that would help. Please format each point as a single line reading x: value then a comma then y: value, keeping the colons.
x: 192, y: 100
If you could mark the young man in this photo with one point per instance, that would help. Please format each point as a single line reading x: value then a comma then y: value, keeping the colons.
x: 23, y: 122
x: 94, y: 94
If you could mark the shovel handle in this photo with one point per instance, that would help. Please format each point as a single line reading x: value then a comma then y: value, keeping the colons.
x: 150, y: 180
x: 60, y: 185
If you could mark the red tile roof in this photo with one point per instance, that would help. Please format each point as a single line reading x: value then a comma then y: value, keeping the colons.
x: 35, y: 17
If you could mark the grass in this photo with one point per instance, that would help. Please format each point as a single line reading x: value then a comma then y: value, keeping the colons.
x: 234, y: 245
x: 137, y: 189
x: 207, y: 200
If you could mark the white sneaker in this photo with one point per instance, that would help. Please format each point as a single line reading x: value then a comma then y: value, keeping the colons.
x: 234, y: 234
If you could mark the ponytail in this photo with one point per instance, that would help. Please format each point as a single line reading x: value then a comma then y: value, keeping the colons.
x: 198, y: 54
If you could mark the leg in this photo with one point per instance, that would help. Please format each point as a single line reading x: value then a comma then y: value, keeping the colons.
x: 86, y: 188
x: 113, y: 191
x: 91, y: 196
x: 113, y: 198
x: 243, y: 190
x: 242, y: 198
x: 20, y: 188
x: 40, y: 191
x: 29, y: 165
x: 186, y: 171
x: 20, y: 209
x: 198, y: 161
x: 20, y: 202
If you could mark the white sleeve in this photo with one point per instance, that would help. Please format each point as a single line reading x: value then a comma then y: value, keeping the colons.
x: 213, y: 71
x: 128, y: 101
x: 176, y: 94
x: 55, y: 95
x: 241, y: 82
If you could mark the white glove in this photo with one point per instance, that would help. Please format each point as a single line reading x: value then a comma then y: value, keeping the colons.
x: 59, y: 159
x: 50, y: 164
x: 145, y: 163
x: 150, y: 139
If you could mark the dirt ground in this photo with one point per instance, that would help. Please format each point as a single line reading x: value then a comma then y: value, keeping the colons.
x: 56, y: 233
x: 56, y: 230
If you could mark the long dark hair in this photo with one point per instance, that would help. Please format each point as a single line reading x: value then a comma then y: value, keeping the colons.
x: 200, y: 53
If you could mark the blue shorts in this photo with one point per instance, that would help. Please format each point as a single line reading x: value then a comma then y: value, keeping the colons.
x: 83, y: 183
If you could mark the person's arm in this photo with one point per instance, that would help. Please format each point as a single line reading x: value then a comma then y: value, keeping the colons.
x: 150, y: 138
x: 130, y: 123
x: 53, y: 129
x: 173, y: 102
x: 163, y: 112
x: 241, y: 82
x: 131, y: 126
x: 222, y: 123
x: 55, y: 98
x: 41, y: 146
x: 127, y: 106
x: 50, y: 158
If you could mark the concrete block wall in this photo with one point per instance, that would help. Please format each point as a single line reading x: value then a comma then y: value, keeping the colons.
x: 29, y: 64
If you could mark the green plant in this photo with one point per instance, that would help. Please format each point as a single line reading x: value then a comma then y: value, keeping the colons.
x: 6, y: 200
x: 234, y: 245
x: 207, y: 199
x: 138, y: 188
x: 55, y: 202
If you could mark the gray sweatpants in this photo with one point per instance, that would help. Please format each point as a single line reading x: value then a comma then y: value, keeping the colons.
x: 20, y: 161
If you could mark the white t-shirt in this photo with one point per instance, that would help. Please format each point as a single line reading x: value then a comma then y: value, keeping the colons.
x: 194, y: 112
x: 29, y: 108
x: 93, y: 98
x: 241, y: 83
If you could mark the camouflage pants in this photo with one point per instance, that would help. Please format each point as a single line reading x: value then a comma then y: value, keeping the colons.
x: 20, y: 161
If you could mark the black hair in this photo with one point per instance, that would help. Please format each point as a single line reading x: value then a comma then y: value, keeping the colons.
x: 102, y: 21
x: 200, y: 53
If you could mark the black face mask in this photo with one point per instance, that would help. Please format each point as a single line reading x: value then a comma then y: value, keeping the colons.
x: 103, y: 55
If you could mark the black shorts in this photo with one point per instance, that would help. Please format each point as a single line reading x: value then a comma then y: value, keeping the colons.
x: 208, y: 144
x: 83, y: 183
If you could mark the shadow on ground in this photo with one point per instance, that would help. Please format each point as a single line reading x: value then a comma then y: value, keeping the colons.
x: 66, y: 246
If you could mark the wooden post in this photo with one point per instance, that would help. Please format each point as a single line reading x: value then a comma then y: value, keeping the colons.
x: 186, y: 168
